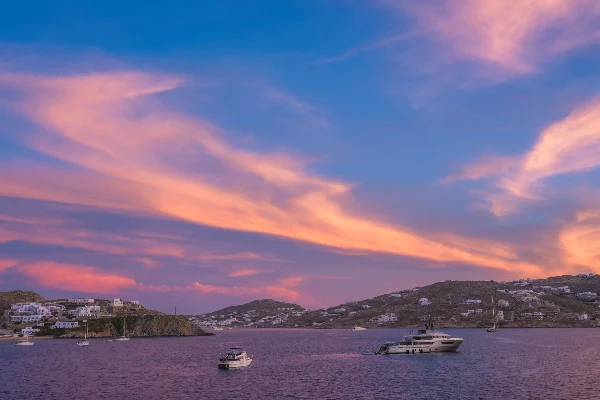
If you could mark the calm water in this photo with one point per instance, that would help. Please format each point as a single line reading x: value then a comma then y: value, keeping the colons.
x: 308, y: 364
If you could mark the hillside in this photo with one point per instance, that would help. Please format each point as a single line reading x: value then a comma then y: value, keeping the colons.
x: 17, y: 296
x: 146, y: 326
x: 552, y: 302
x: 256, y: 313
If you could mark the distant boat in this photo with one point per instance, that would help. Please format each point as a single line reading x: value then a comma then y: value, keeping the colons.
x: 25, y: 342
x: 217, y: 328
x: 84, y: 342
x: 358, y: 329
x: 235, y: 358
x: 494, y: 327
x: 124, y: 336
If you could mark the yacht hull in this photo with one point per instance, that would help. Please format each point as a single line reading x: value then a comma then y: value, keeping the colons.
x: 234, y: 364
x: 445, y: 346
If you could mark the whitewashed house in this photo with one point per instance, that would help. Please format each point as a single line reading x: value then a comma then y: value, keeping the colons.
x: 29, y: 331
x: 471, y: 301
x: 424, y: 301
x: 81, y: 300
x: 479, y: 311
x: 65, y: 325
x: 503, y: 303
x: 365, y: 306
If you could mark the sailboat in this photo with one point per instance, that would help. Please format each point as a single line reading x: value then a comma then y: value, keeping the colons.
x: 84, y: 342
x: 495, y: 327
x: 124, y: 336
x: 25, y: 342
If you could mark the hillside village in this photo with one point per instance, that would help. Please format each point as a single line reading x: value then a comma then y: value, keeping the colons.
x: 32, y: 314
x: 561, y: 301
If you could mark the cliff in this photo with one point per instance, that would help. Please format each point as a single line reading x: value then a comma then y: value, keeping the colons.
x: 143, y: 326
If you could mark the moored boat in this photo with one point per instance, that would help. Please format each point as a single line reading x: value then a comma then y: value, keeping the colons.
x: 235, y: 358
x: 426, y: 340
x: 25, y: 342
x: 358, y: 329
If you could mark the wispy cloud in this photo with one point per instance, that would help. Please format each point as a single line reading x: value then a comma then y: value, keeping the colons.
x: 580, y: 240
x: 568, y: 146
x: 506, y: 39
x: 132, y: 154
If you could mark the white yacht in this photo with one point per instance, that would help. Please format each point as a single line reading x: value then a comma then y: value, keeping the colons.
x: 217, y: 328
x: 426, y: 340
x: 25, y: 342
x: 235, y: 358
x: 84, y: 342
x: 358, y: 329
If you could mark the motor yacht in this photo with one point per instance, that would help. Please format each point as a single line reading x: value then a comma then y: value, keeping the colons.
x: 358, y: 329
x: 25, y: 342
x: 235, y: 358
x: 426, y: 340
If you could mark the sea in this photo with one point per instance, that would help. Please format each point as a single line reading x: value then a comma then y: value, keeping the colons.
x: 307, y: 364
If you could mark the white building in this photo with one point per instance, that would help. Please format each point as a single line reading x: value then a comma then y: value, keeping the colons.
x: 583, y: 317
x: 387, y: 318
x: 479, y: 311
x: 29, y: 331
x: 339, y: 310
x: 81, y: 300
x: 119, y: 303
x: 424, y: 301
x: 465, y: 314
x: 503, y: 303
x: 471, y: 311
x: 500, y: 315
x: 395, y: 295
x: 586, y: 296
x: 471, y: 301
x: 87, y: 311
x: 365, y: 306
x: 65, y: 325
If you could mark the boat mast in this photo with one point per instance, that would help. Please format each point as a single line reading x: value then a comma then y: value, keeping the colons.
x: 494, y: 311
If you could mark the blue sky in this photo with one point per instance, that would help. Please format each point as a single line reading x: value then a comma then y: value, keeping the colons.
x: 209, y: 153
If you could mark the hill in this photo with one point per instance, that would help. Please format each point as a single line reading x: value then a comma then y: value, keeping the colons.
x: 137, y: 326
x: 17, y: 296
x: 562, y: 301
x: 256, y: 313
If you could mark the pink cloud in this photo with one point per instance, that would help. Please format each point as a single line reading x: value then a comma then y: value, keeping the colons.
x: 580, y: 241
x: 75, y: 278
x: 6, y: 264
x: 244, y: 272
x: 505, y: 39
x: 136, y: 156
x: 568, y: 146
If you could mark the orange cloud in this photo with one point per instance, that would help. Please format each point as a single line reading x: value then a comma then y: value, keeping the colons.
x: 135, y: 156
x: 580, y: 241
x: 508, y: 38
x: 568, y: 146
x: 75, y: 278
x: 244, y: 272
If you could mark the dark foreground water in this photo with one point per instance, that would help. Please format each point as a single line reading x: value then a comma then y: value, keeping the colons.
x: 308, y: 364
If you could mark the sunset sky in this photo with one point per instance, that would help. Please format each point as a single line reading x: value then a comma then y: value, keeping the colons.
x: 207, y: 153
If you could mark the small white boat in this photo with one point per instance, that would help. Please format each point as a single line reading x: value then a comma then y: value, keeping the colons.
x: 84, y: 342
x: 358, y: 329
x: 425, y: 340
x: 217, y: 328
x: 235, y: 358
x: 124, y: 336
x: 25, y: 342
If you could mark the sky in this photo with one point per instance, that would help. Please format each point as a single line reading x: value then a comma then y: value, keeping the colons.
x: 201, y: 154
